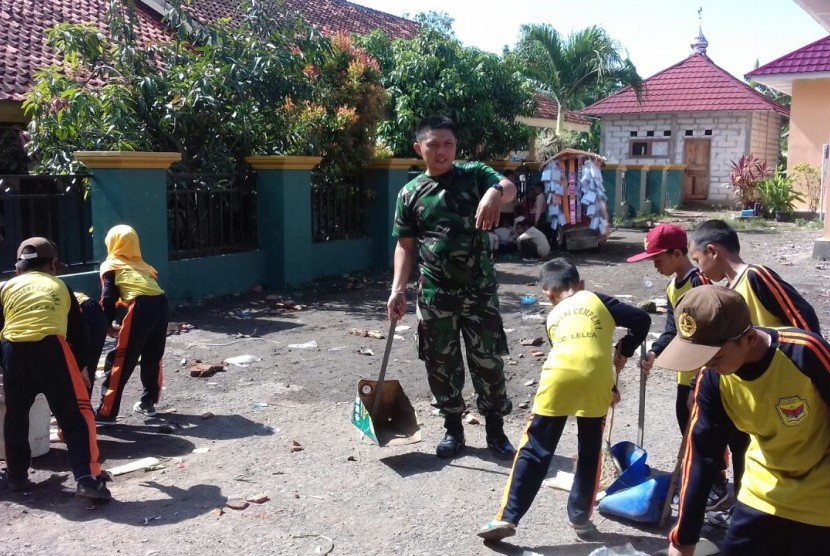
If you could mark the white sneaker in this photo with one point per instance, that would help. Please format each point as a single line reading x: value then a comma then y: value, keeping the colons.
x: 497, y: 530
x: 719, y: 518
x: 147, y: 410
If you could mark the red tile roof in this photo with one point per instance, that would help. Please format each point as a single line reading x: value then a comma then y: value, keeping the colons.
x: 547, y: 108
x: 814, y: 57
x: 695, y: 84
x: 23, y: 25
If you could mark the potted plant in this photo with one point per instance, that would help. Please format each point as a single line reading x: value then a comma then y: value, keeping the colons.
x: 746, y: 173
x: 778, y: 196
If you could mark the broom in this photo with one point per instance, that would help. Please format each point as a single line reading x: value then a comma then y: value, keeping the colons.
x: 610, y: 468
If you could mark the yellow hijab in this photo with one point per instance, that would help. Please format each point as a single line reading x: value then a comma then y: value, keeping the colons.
x: 124, y: 252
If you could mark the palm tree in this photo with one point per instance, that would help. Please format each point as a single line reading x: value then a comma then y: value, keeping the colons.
x: 577, y: 70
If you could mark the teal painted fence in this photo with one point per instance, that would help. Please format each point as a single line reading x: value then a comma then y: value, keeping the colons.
x: 131, y: 188
x: 634, y: 190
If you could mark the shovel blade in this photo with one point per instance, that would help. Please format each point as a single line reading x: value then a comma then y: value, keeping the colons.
x: 393, y: 423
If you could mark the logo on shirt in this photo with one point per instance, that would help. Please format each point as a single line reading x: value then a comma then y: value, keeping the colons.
x: 687, y: 325
x: 792, y: 410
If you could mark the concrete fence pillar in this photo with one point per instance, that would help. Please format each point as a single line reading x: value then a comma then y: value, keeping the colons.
x: 131, y: 188
x: 385, y: 178
x: 284, y: 217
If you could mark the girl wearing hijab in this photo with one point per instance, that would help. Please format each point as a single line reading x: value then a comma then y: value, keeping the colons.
x: 128, y: 281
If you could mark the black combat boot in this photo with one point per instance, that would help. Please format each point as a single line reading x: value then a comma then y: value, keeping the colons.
x: 496, y: 439
x: 453, y: 443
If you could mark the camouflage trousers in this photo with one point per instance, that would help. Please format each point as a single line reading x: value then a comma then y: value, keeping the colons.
x: 440, y: 329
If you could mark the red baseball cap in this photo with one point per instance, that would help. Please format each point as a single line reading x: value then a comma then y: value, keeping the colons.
x: 661, y: 239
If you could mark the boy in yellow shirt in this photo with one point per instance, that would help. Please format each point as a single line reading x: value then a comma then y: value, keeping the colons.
x: 578, y: 379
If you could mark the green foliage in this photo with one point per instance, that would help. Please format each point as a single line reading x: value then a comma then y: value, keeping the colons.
x: 777, y: 195
x: 434, y: 74
x: 574, y: 71
x: 807, y: 179
x: 269, y: 85
x: 439, y: 21
x: 745, y: 175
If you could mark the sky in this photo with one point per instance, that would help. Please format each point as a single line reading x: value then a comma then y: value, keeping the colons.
x: 656, y: 33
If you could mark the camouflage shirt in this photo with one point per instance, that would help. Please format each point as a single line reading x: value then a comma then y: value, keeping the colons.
x: 440, y: 211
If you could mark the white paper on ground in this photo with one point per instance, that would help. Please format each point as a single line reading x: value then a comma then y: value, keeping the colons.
x: 136, y: 465
x: 561, y: 481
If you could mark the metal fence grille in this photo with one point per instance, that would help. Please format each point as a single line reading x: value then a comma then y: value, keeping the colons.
x: 338, y: 211
x: 54, y: 207
x: 211, y: 214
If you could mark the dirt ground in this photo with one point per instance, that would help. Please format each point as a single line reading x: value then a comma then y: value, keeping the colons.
x: 340, y: 495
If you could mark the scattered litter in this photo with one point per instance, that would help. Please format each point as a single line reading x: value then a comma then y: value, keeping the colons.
x: 237, y: 504
x: 524, y: 405
x: 398, y: 337
x: 139, y: 464
x: 351, y: 458
x: 509, y: 330
x: 151, y: 518
x: 537, y: 353
x: 319, y: 549
x: 207, y: 415
x: 561, y: 481
x: 204, y: 370
x: 337, y: 348
x: 623, y: 296
x: 260, y: 405
x: 258, y: 499
x: 295, y: 447
x: 531, y: 382
x: 167, y: 428
x: 471, y: 420
x: 307, y: 345
x: 242, y: 360
x: 178, y: 328
x: 363, y: 332
x: 217, y: 512
x: 402, y: 328
x: 365, y: 351
x: 201, y: 450
x: 532, y: 341
x: 183, y: 362
x: 100, y: 374
x: 626, y: 550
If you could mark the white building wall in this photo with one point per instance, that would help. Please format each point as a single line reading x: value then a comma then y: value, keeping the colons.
x: 729, y: 132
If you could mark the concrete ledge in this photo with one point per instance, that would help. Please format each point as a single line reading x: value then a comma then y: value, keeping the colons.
x: 283, y: 162
x: 821, y: 249
x: 126, y: 159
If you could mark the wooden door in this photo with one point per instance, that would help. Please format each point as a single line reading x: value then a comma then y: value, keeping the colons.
x: 696, y: 159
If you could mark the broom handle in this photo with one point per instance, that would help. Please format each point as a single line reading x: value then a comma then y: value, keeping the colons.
x: 681, y: 453
x: 641, y: 417
x: 382, y: 375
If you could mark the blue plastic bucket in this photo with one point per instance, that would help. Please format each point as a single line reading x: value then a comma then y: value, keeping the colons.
x: 632, y: 460
x: 642, y: 503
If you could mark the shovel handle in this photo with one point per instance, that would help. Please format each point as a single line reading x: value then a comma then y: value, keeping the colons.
x: 641, y: 416
x: 382, y: 374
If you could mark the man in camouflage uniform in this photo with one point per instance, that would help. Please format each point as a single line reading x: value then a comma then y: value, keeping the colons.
x: 441, y: 217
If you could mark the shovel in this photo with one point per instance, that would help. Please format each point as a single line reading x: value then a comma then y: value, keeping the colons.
x: 382, y: 412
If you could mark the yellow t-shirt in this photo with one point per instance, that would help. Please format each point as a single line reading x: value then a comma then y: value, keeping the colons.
x: 758, y: 314
x: 35, y: 305
x: 578, y: 375
x: 673, y: 293
x: 782, y: 411
x: 132, y: 284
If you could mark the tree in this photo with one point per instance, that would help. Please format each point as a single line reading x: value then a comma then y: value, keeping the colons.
x: 267, y: 85
x: 574, y: 71
x: 434, y: 74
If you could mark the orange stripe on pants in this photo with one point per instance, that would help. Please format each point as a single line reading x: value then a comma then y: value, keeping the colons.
x: 84, y: 406
x: 115, y: 377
